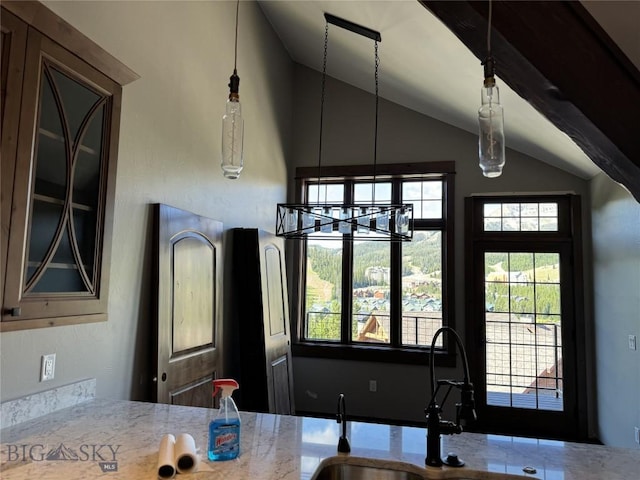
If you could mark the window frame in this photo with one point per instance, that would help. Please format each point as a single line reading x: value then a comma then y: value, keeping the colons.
x: 393, y: 352
x: 570, y: 424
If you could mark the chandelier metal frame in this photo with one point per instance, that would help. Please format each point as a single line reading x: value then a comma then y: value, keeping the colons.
x: 374, y: 221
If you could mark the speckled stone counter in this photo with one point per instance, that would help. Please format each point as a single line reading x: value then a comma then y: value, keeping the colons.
x: 119, y: 440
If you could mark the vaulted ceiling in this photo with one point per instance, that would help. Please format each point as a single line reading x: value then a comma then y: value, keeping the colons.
x: 568, y: 89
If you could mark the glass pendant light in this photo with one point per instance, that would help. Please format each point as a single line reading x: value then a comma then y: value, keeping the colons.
x: 490, y: 118
x: 233, y: 123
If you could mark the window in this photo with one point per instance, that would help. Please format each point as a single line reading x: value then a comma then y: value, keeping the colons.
x: 359, y: 296
x: 520, y: 217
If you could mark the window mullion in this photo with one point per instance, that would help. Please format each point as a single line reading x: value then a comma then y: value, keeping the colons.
x: 396, y: 276
x: 347, y: 274
x: 396, y: 294
x: 347, y: 291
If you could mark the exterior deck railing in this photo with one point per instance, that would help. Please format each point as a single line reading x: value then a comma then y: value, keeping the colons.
x: 510, y: 380
x: 417, y: 329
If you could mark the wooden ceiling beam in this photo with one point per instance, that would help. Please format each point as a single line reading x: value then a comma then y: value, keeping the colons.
x: 558, y: 58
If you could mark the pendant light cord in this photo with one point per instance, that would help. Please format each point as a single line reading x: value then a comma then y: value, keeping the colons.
x: 322, y: 93
x: 489, y: 29
x: 489, y: 64
x: 235, y: 58
x: 375, y: 134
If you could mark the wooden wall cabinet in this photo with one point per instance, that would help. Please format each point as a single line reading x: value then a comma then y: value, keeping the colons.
x: 60, y: 124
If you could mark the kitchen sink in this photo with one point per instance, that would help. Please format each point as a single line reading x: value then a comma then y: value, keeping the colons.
x: 347, y: 471
x: 354, y: 468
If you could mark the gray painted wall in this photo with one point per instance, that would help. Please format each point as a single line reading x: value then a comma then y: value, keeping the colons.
x: 616, y: 300
x: 169, y: 153
x: 404, y: 136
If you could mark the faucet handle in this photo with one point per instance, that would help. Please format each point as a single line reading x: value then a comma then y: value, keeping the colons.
x: 466, y: 410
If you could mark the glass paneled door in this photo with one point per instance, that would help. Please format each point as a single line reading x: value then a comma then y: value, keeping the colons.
x: 522, y: 279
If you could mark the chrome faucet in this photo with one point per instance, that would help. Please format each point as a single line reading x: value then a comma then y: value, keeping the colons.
x: 465, y: 410
x: 341, y: 417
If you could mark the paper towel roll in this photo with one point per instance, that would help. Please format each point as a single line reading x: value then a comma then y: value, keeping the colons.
x: 166, y: 457
x: 185, y: 454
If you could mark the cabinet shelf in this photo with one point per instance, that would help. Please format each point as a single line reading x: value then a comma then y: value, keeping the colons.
x: 54, y: 136
x: 58, y: 201
x: 63, y: 266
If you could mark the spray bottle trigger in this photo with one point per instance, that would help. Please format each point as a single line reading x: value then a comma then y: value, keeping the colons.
x: 223, y: 383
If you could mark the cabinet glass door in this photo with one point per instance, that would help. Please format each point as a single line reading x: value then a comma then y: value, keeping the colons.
x: 61, y: 208
x: 63, y: 240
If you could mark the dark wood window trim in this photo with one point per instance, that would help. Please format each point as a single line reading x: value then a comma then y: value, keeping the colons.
x: 393, y: 353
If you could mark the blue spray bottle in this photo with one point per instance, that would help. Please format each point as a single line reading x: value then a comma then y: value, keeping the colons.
x: 224, y: 430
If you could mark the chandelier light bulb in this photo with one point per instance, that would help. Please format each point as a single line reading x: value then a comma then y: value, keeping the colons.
x: 402, y: 222
x: 363, y: 220
x: 343, y: 226
x: 291, y: 220
x: 382, y: 220
x: 326, y: 223
x: 308, y: 221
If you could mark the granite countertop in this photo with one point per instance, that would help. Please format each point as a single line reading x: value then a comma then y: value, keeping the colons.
x: 115, y: 439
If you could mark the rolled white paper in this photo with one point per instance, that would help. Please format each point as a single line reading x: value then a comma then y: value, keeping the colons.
x: 185, y: 454
x: 166, y: 457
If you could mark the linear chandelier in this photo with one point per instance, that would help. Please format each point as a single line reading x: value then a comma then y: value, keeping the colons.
x: 341, y: 221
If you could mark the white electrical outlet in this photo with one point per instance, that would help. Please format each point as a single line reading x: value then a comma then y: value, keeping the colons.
x: 48, y: 369
x: 632, y: 342
x: 373, y: 386
x: 637, y: 434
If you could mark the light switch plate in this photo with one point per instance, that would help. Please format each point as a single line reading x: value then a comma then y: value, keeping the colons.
x: 48, y: 368
x: 632, y: 342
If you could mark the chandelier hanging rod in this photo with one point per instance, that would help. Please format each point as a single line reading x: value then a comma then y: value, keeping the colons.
x: 353, y: 27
